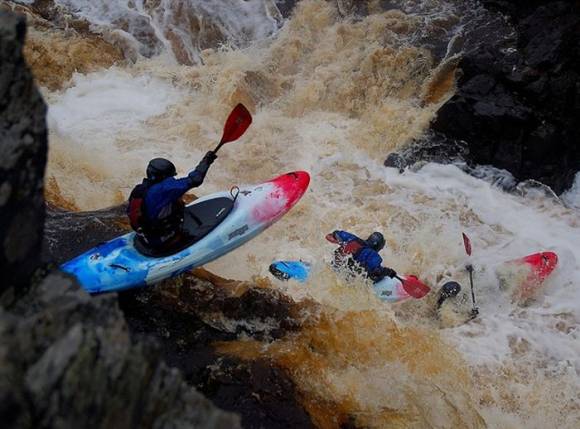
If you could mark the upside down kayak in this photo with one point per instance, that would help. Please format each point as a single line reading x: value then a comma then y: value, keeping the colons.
x: 388, y: 289
x: 527, y: 274
x: 217, y: 224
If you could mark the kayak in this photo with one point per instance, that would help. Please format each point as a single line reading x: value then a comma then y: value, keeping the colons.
x: 527, y: 273
x: 295, y: 270
x: 216, y: 224
x: 388, y: 289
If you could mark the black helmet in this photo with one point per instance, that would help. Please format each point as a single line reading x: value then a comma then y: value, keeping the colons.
x: 448, y: 290
x: 376, y: 241
x: 159, y: 169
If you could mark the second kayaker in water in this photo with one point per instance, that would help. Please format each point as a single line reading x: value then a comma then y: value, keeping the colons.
x: 156, y: 208
x: 358, y: 255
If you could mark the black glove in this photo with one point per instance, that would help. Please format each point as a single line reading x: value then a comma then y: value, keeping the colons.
x: 380, y: 273
x: 200, y: 171
x: 210, y: 157
x: 389, y: 272
x: 206, y: 161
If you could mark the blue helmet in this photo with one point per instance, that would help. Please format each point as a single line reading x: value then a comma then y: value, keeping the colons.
x: 376, y: 241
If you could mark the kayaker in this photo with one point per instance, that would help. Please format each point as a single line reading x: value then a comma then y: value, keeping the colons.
x: 357, y: 254
x: 156, y: 209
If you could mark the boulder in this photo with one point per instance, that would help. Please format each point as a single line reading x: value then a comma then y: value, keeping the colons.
x: 67, y: 360
x: 518, y: 98
x: 23, y: 146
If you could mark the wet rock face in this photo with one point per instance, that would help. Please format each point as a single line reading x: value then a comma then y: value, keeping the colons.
x: 67, y: 360
x: 68, y: 234
x: 23, y: 144
x: 518, y: 100
x: 190, y: 316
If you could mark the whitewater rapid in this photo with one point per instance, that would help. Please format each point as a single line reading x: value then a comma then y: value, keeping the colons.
x: 334, y: 96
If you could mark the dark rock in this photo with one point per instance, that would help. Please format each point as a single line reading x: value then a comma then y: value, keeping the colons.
x: 286, y: 7
x: 395, y: 160
x: 189, y: 317
x: 434, y: 148
x: 68, y: 234
x: 67, y: 360
x: 23, y: 144
x: 263, y: 394
x: 518, y: 100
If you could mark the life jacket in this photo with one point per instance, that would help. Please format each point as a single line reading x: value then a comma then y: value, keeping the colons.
x: 153, y: 231
x: 136, y: 208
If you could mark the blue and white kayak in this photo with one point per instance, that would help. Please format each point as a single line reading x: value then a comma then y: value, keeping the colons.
x: 295, y: 270
x: 218, y: 224
x: 388, y: 289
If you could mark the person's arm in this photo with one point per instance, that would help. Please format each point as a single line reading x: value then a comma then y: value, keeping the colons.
x: 374, y: 267
x: 198, y: 174
x: 165, y: 192
x: 343, y: 236
x: 381, y: 272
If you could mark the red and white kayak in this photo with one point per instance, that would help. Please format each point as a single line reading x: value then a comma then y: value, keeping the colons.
x: 528, y: 273
x: 219, y: 223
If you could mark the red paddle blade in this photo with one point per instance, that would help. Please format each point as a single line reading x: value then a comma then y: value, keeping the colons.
x: 466, y: 244
x: 236, y: 124
x: 414, y: 287
x: 330, y: 237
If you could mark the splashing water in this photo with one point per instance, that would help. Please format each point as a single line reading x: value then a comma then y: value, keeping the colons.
x: 334, y: 95
x: 182, y: 28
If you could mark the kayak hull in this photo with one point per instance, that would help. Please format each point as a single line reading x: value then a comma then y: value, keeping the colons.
x: 117, y: 265
x: 528, y: 273
x: 387, y: 290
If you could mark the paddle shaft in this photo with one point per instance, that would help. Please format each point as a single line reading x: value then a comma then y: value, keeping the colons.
x: 469, y: 268
x: 218, y: 147
x: 470, y: 271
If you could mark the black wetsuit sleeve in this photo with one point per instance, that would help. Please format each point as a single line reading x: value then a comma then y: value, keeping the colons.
x: 197, y: 176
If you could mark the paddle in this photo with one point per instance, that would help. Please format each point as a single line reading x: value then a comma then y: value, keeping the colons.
x: 469, y: 268
x: 411, y: 284
x: 236, y: 125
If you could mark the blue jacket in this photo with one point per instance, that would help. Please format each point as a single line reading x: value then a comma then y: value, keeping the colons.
x: 161, y: 196
x: 366, y: 257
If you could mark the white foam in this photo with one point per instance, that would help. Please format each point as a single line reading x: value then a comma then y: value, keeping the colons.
x: 100, y: 106
x: 237, y: 22
x: 98, y: 130
x: 572, y: 196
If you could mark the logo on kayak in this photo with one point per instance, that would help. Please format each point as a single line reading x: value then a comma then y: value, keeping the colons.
x: 239, y: 231
x: 120, y: 267
x: 386, y: 293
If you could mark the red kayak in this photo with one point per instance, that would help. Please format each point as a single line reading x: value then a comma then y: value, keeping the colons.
x: 529, y: 272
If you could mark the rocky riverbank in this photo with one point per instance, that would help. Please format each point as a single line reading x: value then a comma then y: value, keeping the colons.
x: 518, y: 95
